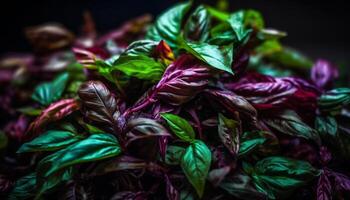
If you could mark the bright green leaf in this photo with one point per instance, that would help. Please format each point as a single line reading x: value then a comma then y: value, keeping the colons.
x: 213, y: 55
x: 168, y: 25
x: 196, y: 163
x: 95, y: 147
x: 180, y: 127
x: 50, y: 141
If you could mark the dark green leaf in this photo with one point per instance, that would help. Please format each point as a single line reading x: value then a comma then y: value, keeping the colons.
x: 173, y: 155
x: 197, y: 26
x: 327, y: 127
x: 229, y: 133
x: 95, y: 147
x: 289, y: 122
x: 180, y: 127
x: 278, y: 177
x: 196, y: 163
x: 168, y: 25
x: 261, y: 142
x: 241, y: 186
x: 24, y: 188
x: 334, y: 100
x: 49, y: 183
x: 50, y: 141
x: 213, y: 55
x: 46, y: 93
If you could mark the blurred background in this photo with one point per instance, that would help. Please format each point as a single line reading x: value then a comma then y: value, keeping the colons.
x: 318, y: 28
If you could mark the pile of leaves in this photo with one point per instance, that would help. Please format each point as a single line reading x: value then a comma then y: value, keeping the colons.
x: 199, y: 104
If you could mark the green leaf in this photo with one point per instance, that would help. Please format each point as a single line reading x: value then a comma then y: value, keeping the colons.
x: 220, y: 15
x: 46, y: 93
x: 135, y: 61
x: 229, y: 132
x: 291, y: 58
x: 327, y: 127
x: 141, y: 67
x: 236, y: 21
x: 50, y: 141
x: 30, y: 111
x: 334, y: 100
x: 95, y: 147
x: 24, y: 188
x: 213, y: 55
x: 268, y: 47
x: 241, y: 186
x: 196, y: 163
x: 278, y: 176
x: 168, y: 25
x: 197, y: 26
x: 49, y: 183
x: 141, y: 47
x: 173, y: 155
x: 261, y: 142
x: 289, y: 122
x: 180, y: 127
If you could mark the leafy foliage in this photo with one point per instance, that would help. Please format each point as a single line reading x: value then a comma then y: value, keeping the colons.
x: 200, y: 104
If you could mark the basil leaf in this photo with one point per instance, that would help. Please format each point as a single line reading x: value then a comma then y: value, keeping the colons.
x: 47, y: 184
x: 95, y: 147
x: 236, y: 21
x: 289, y: 122
x: 334, y: 100
x: 197, y: 26
x: 218, y: 14
x: 135, y: 61
x: 327, y: 127
x: 196, y: 163
x: 46, y: 93
x: 180, y: 127
x: 168, y: 25
x: 141, y: 128
x: 213, y: 55
x: 24, y: 188
x: 261, y: 142
x: 50, y: 141
x: 241, y: 186
x: 173, y: 155
x: 278, y: 176
x: 100, y: 106
x: 291, y: 58
x: 140, y: 47
x: 229, y: 132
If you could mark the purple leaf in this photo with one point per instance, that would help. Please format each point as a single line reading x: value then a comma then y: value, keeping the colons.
x: 323, y: 73
x: 324, y: 187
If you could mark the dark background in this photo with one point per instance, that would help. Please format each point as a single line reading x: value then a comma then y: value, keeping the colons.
x: 320, y: 29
